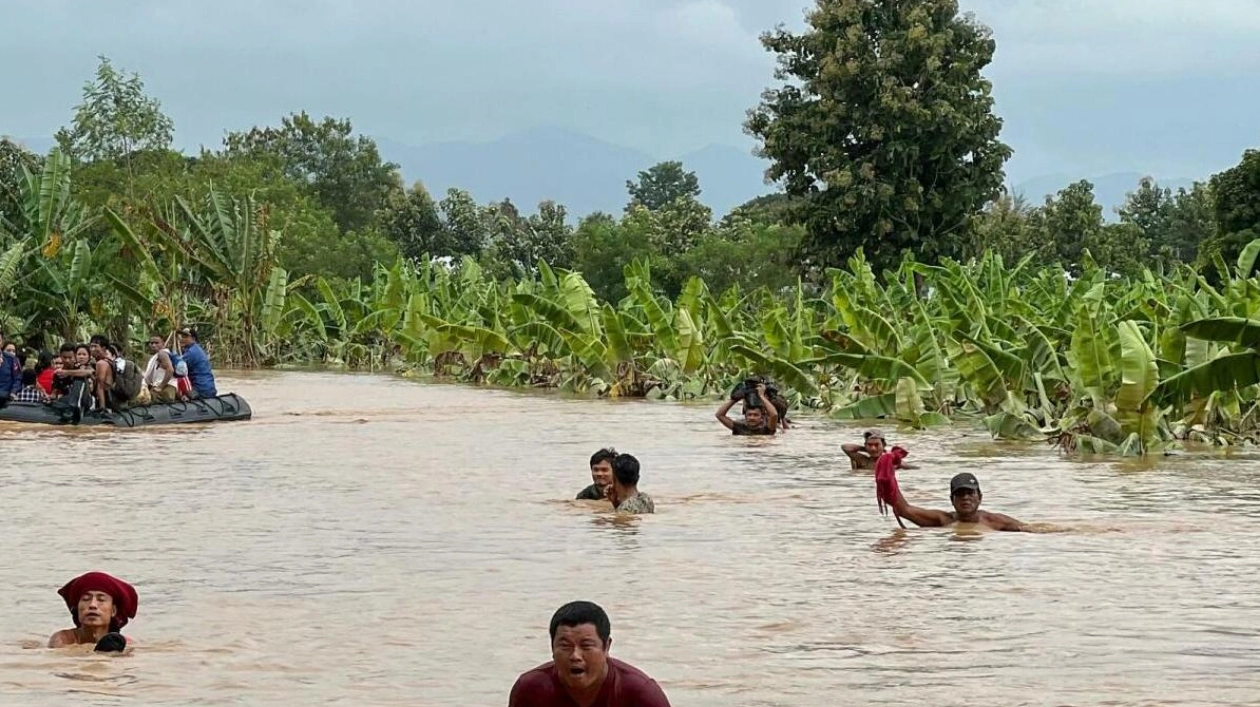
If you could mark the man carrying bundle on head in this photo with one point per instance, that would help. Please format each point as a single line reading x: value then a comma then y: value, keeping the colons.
x: 764, y: 408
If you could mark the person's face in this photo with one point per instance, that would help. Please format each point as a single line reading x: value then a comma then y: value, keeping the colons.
x: 155, y: 345
x: 581, y: 657
x: 185, y: 341
x: 96, y: 609
x: 82, y: 357
x: 874, y: 446
x: 601, y: 473
x: 96, y: 350
x: 966, y: 501
x: 67, y: 359
x: 754, y: 417
x: 59, y: 363
x: 10, y: 349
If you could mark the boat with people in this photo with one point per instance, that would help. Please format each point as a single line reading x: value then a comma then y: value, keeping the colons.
x: 220, y: 408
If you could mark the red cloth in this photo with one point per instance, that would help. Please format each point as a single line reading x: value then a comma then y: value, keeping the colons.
x: 45, y: 380
x: 625, y: 686
x: 125, y: 598
x: 886, y: 490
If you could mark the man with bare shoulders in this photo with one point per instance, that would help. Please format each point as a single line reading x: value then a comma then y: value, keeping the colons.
x: 100, y: 605
x: 864, y: 456
x: 581, y: 673
x: 98, y: 345
x: 964, y: 494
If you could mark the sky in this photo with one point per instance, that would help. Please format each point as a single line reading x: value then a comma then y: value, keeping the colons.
x: 1086, y: 87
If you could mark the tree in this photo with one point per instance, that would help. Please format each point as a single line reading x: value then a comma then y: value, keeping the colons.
x: 412, y: 222
x: 521, y: 243
x: 343, y: 171
x: 1236, y: 206
x: 1174, y: 225
x: 885, y: 124
x: 115, y: 120
x: 14, y: 159
x: 1004, y: 227
x: 1071, y: 223
x: 602, y: 249
x: 661, y: 185
x: 748, y: 254
x: 1066, y: 225
x: 467, y: 225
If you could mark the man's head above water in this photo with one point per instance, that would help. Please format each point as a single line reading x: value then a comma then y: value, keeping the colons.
x: 875, y: 443
x: 601, y: 466
x: 964, y: 494
x: 580, y: 639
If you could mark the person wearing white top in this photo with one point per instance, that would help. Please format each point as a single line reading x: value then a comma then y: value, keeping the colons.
x: 159, y: 375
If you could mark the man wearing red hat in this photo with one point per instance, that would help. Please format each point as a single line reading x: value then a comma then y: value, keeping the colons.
x: 100, y: 606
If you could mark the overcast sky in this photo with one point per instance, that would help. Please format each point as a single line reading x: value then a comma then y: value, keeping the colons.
x: 1167, y: 87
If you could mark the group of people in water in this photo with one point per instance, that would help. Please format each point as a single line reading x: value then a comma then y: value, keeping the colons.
x: 581, y: 671
x: 615, y: 477
x: 97, y: 377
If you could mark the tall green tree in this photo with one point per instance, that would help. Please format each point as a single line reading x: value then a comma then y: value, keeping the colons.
x: 412, y: 222
x: 1173, y: 224
x: 344, y: 171
x: 1067, y: 224
x: 1071, y: 223
x: 521, y: 242
x: 115, y: 119
x: 886, y: 124
x: 662, y: 184
x: 1236, y: 205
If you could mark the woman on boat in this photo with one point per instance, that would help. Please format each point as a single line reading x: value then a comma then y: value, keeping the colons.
x: 45, y: 369
x: 100, y: 605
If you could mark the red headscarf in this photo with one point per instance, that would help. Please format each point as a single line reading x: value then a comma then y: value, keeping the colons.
x: 886, y: 490
x: 124, y: 595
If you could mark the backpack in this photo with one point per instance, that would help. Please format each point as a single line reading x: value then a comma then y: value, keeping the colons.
x: 127, y: 382
x: 177, y: 362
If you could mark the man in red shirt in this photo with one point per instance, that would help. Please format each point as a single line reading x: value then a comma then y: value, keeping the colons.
x: 580, y: 673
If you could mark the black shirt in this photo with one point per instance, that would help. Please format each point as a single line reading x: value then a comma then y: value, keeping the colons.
x: 743, y: 428
x: 591, y: 493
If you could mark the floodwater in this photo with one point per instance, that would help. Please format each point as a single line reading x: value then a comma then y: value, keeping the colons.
x: 367, y: 540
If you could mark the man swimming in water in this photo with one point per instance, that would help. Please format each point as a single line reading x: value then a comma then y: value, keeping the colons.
x: 601, y: 475
x: 624, y: 491
x: 964, y: 494
x: 580, y: 671
x: 758, y: 420
x: 100, y: 605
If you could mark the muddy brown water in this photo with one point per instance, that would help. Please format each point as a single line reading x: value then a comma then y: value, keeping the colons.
x: 367, y: 540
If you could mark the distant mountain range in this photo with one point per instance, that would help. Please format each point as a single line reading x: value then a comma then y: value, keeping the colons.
x: 587, y: 174
x: 583, y: 173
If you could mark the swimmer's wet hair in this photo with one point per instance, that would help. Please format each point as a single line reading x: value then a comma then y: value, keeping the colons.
x: 607, y: 454
x: 626, y: 469
x: 576, y: 613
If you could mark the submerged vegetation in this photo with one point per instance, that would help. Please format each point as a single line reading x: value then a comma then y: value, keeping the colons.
x: 874, y: 286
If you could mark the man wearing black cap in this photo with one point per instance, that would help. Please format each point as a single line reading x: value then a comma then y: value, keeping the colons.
x: 964, y: 493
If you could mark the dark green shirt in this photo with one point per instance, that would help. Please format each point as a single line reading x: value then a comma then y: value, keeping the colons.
x: 591, y: 493
x: 743, y: 428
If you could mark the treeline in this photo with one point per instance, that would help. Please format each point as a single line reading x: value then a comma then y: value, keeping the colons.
x: 913, y: 169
